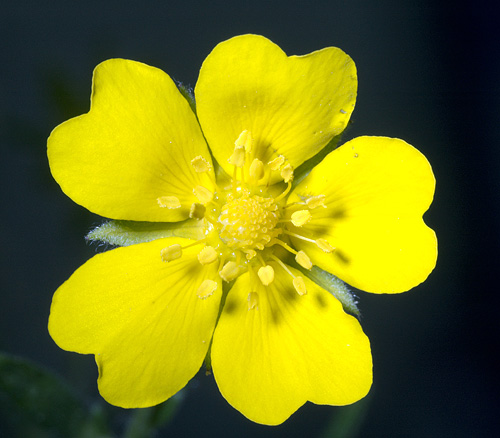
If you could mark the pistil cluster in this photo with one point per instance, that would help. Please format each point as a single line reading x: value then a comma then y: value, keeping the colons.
x: 245, y: 223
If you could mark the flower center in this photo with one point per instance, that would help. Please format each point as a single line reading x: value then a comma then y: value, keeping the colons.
x: 242, y: 227
x: 248, y: 222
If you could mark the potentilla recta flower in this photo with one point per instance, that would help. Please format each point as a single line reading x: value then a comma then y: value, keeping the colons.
x: 220, y: 239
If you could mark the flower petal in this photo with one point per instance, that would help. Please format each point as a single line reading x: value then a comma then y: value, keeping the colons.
x: 270, y: 359
x: 133, y: 147
x: 376, y: 190
x: 292, y: 105
x: 142, y: 319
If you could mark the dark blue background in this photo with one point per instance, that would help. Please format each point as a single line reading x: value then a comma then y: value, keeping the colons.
x: 428, y: 73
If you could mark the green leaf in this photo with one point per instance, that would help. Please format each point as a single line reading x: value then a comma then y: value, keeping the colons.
x: 37, y: 399
x: 125, y: 233
x: 335, y: 286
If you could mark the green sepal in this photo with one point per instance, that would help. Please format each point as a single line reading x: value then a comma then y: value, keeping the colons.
x: 187, y: 92
x: 335, y: 286
x: 37, y: 399
x: 126, y: 233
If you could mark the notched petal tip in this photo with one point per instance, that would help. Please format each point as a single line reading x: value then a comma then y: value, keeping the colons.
x: 379, y: 187
x: 293, y: 343
x: 307, y: 99
x: 107, y: 160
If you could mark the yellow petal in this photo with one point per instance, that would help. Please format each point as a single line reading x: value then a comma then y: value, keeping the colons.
x: 134, y: 147
x: 271, y: 355
x: 376, y: 191
x: 292, y: 105
x: 141, y: 318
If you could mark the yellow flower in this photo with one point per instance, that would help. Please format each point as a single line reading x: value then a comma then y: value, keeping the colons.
x: 236, y: 240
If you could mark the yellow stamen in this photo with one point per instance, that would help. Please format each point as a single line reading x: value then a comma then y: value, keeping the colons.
x: 242, y: 168
x: 207, y: 255
x: 299, y: 285
x: 169, y: 202
x: 261, y: 260
x: 298, y: 282
x: 171, y: 252
x: 234, y: 181
x: 276, y: 163
x: 287, y: 173
x: 303, y: 260
x: 280, y: 197
x: 316, y: 201
x: 321, y: 243
x: 200, y: 164
x: 298, y: 236
x: 230, y: 271
x: 203, y: 194
x: 292, y: 204
x: 324, y: 245
x: 245, y: 140
x: 237, y: 158
x: 238, y: 257
x: 277, y: 260
x: 197, y: 211
x: 256, y: 170
x: 207, y: 288
x: 284, y: 245
x: 301, y: 217
x: 253, y: 300
x: 266, y: 275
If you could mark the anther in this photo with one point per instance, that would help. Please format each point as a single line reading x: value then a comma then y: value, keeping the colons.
x: 324, y: 245
x: 303, y: 260
x: 169, y: 202
x: 245, y: 141
x: 171, y: 252
x: 203, y: 194
x: 237, y: 159
x: 207, y: 288
x: 298, y: 282
x: 266, y: 275
x: 256, y: 170
x: 276, y: 163
x: 301, y: 217
x: 229, y: 271
x: 207, y: 255
x: 287, y: 173
x: 321, y: 243
x: 253, y: 300
x: 316, y: 201
x: 197, y: 211
x: 200, y: 164
x: 299, y: 285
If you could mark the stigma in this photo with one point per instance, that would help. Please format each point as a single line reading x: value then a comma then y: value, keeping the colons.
x: 248, y: 221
